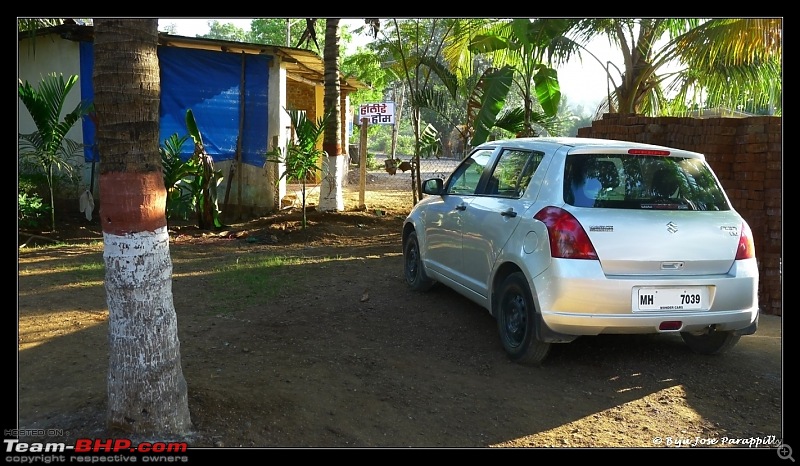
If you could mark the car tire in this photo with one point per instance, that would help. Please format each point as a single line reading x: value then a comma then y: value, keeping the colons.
x: 712, y: 342
x: 413, y: 270
x: 516, y: 321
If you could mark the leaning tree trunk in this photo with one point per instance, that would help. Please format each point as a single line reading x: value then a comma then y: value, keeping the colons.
x: 147, y: 392
x: 331, y: 197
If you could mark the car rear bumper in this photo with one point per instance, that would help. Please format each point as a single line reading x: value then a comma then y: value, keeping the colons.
x: 594, y: 324
x: 571, y: 304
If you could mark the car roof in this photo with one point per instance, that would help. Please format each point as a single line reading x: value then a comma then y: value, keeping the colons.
x: 584, y: 144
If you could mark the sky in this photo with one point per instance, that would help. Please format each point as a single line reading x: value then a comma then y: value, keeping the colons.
x: 581, y: 84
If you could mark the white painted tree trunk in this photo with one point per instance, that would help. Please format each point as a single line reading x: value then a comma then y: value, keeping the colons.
x: 331, y: 195
x: 145, y: 362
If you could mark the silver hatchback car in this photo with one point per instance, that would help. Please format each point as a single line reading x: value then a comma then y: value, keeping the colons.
x: 563, y: 237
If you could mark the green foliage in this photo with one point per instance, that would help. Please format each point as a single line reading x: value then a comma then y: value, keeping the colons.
x: 177, y: 173
x: 381, y: 141
x: 430, y: 143
x: 526, y: 47
x: 192, y: 185
x: 203, y: 186
x: 226, y: 31
x: 48, y: 146
x: 491, y: 93
x: 723, y: 62
x: 302, y: 155
x: 372, y: 163
x: 31, y: 210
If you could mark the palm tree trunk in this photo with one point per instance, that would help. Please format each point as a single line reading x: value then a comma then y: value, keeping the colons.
x: 147, y: 393
x: 331, y: 197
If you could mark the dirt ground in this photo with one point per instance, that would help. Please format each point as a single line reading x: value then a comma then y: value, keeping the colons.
x: 334, y: 351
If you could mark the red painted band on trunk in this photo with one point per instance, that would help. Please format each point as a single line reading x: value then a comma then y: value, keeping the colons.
x: 132, y: 202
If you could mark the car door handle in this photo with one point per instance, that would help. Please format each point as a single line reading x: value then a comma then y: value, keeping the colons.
x: 461, y: 207
x: 508, y: 213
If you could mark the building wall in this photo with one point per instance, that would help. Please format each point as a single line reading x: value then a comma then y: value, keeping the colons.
x: 255, y: 191
x: 746, y: 154
x: 260, y: 191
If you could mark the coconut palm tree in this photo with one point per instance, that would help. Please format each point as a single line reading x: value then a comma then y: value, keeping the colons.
x: 333, y: 166
x: 672, y: 65
x: 147, y: 392
x: 331, y: 197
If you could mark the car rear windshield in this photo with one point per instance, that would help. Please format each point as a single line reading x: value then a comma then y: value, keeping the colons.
x: 626, y: 181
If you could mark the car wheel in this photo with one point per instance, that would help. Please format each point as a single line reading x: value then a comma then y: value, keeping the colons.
x: 516, y: 321
x: 414, y: 271
x: 712, y: 342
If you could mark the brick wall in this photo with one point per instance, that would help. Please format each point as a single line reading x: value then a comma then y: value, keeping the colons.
x: 301, y: 97
x: 746, y: 154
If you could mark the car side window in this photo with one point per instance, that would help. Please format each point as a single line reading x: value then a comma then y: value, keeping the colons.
x: 466, y: 176
x: 513, y: 172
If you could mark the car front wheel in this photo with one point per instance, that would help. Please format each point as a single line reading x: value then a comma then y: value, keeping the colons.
x: 516, y: 321
x: 412, y: 264
x: 711, y: 342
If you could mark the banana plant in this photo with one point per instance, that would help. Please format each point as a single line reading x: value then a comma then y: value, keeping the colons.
x: 524, y: 45
x: 176, y: 171
x: 206, y: 180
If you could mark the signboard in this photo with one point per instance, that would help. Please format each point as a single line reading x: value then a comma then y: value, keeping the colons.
x: 377, y: 114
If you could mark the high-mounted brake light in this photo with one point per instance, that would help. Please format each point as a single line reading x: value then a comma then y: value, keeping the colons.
x: 648, y: 152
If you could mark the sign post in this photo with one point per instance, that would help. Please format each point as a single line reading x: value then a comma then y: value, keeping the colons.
x: 362, y: 165
x: 378, y: 114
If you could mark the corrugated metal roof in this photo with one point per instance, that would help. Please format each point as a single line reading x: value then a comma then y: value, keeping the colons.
x: 301, y: 64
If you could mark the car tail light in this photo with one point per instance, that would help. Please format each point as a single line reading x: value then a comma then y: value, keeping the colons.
x: 568, y: 239
x: 746, y: 248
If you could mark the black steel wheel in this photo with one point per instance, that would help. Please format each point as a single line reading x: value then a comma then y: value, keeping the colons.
x: 414, y: 271
x: 516, y: 321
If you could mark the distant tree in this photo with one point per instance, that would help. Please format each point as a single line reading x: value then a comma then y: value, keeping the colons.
x: 225, y: 31
x: 30, y: 24
x: 273, y: 31
x: 170, y: 28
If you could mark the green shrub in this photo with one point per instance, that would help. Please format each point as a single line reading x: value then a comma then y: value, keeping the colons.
x: 31, y: 211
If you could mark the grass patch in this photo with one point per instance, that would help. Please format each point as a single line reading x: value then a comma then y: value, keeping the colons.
x: 252, y: 280
x: 84, y: 274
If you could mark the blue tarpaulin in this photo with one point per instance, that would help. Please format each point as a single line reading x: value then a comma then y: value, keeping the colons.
x: 210, y: 84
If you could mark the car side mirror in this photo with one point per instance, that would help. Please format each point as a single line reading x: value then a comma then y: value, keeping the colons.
x: 433, y: 186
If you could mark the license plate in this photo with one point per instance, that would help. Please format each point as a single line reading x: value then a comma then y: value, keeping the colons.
x: 671, y: 299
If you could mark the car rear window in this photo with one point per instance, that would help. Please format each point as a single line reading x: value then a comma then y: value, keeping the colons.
x: 626, y: 181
